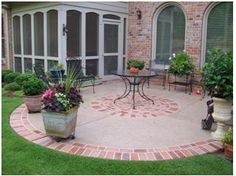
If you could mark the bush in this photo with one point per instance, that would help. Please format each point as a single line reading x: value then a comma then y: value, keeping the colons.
x: 217, y: 74
x: 11, y: 77
x: 228, y: 137
x: 5, y: 73
x: 12, y: 86
x: 181, y: 64
x: 24, y: 77
x: 33, y: 86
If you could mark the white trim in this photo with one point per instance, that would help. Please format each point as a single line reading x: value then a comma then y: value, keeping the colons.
x: 101, y: 45
x: 32, y: 42
x: 45, y: 40
x: 83, y: 40
x: 204, y: 31
x: 91, y: 57
x: 154, y: 25
x: 22, y: 44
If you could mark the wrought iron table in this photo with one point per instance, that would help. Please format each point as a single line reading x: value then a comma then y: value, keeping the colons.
x: 133, y: 82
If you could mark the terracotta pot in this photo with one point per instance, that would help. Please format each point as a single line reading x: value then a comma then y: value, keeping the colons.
x: 228, y: 151
x: 33, y: 103
x: 60, y: 124
x: 133, y: 70
x: 222, y: 114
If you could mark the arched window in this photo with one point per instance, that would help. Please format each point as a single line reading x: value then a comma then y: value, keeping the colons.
x: 38, y: 34
x: 220, y: 27
x: 27, y: 34
x: 170, y: 33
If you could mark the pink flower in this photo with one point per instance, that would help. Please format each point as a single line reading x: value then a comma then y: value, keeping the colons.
x: 48, y: 94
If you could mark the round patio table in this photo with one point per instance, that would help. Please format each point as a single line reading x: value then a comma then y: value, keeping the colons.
x: 135, y: 83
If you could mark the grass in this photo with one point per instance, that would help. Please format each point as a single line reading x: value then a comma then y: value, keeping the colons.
x: 22, y: 157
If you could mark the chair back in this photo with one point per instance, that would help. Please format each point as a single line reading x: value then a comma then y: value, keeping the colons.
x: 39, y: 72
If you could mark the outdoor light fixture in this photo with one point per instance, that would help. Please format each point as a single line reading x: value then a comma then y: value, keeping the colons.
x: 65, y: 30
x: 139, y: 14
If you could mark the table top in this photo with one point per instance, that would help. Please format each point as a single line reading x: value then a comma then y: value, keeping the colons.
x: 141, y: 73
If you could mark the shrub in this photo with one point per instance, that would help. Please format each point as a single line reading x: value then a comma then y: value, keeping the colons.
x: 12, y: 86
x: 11, y: 77
x: 5, y: 73
x: 24, y: 77
x: 217, y: 74
x: 33, y: 86
x: 135, y: 63
x: 228, y: 137
x: 181, y: 64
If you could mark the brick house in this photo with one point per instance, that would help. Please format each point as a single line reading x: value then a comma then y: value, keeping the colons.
x: 103, y: 35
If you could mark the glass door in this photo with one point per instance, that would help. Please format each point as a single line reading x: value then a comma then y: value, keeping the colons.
x: 111, y: 48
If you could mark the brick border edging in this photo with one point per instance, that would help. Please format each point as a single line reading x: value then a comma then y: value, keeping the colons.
x: 20, y: 124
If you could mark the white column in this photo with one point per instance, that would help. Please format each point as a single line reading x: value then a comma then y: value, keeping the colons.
x: 83, y: 40
x: 32, y: 39
x: 45, y: 40
x: 120, y: 45
x: 101, y: 46
x: 60, y: 36
x: 63, y: 39
x: 22, y: 43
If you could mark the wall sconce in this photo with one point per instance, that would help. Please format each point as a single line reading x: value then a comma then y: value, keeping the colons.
x: 139, y: 14
x: 65, y: 30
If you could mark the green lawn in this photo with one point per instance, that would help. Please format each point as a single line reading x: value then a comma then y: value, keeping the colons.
x: 22, y: 157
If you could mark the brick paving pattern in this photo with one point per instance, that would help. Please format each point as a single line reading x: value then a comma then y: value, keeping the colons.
x: 19, y: 123
x: 144, y: 108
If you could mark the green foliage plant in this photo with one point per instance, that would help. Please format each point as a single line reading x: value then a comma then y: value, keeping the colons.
x: 181, y: 64
x: 24, y: 77
x: 5, y: 73
x: 12, y: 86
x: 217, y: 74
x: 228, y: 137
x: 33, y: 87
x: 11, y: 77
x: 135, y: 63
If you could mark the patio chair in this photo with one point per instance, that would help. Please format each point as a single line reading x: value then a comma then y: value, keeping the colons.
x: 74, y: 63
x: 160, y: 68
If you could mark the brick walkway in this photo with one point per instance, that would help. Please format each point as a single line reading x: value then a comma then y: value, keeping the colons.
x: 20, y: 124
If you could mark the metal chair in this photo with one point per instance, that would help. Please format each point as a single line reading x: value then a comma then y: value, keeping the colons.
x: 160, y: 68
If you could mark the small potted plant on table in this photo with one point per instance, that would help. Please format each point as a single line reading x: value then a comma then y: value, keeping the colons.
x: 228, y: 143
x: 217, y: 79
x: 135, y: 65
x: 33, y: 89
x: 61, y: 104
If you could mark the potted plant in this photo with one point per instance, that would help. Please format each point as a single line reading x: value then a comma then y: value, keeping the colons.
x: 61, y: 104
x: 217, y: 79
x: 135, y: 65
x: 58, y: 71
x: 33, y: 90
x: 228, y: 143
x: 181, y: 64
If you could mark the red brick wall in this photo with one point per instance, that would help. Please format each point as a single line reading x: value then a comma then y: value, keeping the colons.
x: 140, y: 31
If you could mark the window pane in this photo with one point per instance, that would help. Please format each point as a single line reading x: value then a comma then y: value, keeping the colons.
x: 91, y: 34
x: 92, y: 67
x: 38, y: 34
x: 110, y: 38
x: 74, y: 64
x: 52, y: 33
x: 28, y: 64
x: 110, y: 64
x: 51, y: 64
x: 16, y: 35
x: 74, y: 33
x: 27, y: 34
x: 39, y: 63
x: 3, y: 48
x: 170, y: 33
x: 124, y: 38
x: 18, y: 64
x: 124, y: 63
x: 220, y: 27
x: 109, y: 16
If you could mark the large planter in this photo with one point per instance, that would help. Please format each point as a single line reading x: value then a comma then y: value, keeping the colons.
x: 33, y: 103
x: 222, y: 113
x: 60, y: 124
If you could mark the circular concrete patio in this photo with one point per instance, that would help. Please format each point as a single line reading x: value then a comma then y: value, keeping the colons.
x: 168, y: 129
